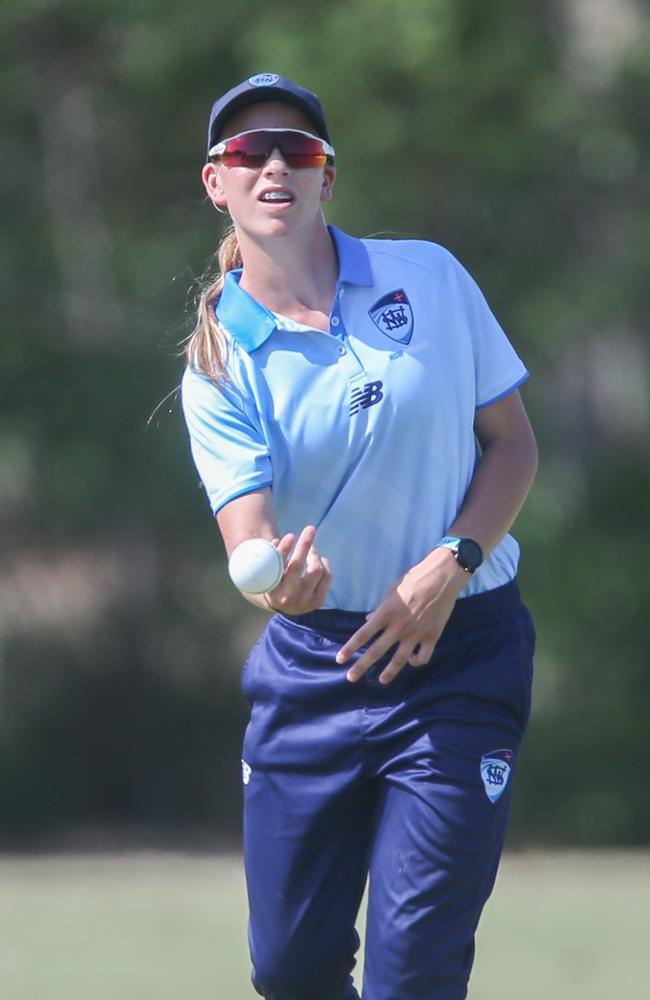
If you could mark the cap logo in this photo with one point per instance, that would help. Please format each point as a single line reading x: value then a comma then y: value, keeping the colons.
x: 263, y: 79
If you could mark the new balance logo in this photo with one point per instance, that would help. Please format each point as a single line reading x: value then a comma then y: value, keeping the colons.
x: 364, y: 396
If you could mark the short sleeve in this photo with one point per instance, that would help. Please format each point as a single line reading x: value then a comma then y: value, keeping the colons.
x: 228, y: 447
x: 498, y: 368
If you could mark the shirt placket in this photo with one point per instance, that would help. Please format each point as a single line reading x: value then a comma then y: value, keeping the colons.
x: 349, y: 359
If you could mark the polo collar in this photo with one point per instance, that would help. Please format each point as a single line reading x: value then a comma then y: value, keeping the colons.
x: 354, y: 263
x: 251, y: 323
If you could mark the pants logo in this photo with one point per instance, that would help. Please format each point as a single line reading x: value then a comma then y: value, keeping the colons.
x: 246, y: 771
x: 495, y: 771
x: 363, y: 397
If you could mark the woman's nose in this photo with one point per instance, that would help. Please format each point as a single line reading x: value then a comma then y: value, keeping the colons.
x: 276, y: 161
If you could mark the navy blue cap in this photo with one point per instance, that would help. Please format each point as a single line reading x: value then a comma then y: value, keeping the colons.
x: 265, y: 87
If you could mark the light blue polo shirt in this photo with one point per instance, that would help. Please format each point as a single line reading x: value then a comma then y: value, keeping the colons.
x: 365, y: 431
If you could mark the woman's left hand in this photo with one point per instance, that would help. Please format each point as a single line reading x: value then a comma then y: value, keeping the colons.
x: 413, y: 615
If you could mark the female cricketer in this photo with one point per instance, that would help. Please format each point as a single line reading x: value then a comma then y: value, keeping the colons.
x: 355, y: 402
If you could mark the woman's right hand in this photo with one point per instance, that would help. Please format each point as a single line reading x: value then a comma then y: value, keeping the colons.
x: 307, y: 575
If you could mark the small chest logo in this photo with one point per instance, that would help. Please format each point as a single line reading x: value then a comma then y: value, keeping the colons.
x: 495, y: 771
x: 393, y: 315
x: 364, y: 396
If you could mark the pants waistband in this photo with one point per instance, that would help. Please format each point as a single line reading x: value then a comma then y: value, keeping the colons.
x: 468, y: 611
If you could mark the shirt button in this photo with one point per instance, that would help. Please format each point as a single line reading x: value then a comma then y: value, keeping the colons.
x: 335, y: 321
x: 341, y: 349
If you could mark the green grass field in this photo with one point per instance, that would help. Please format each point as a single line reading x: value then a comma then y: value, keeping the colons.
x: 156, y: 926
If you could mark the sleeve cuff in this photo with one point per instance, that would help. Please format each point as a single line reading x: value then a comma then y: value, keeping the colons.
x: 220, y: 502
x: 505, y: 392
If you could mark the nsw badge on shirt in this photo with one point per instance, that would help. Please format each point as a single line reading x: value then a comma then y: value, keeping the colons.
x: 392, y: 314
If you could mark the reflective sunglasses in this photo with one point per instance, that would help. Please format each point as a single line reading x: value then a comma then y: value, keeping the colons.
x: 253, y: 148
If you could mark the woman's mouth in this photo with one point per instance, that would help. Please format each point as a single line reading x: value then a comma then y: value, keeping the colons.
x: 277, y: 196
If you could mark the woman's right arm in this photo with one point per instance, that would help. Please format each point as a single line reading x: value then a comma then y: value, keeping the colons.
x: 307, y: 575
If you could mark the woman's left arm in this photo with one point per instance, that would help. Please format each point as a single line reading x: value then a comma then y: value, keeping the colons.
x: 417, y: 609
x: 503, y: 475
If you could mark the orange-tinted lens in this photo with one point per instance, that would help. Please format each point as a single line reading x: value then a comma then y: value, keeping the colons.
x: 254, y: 148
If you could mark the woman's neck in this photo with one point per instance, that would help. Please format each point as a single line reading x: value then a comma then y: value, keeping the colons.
x: 293, y: 276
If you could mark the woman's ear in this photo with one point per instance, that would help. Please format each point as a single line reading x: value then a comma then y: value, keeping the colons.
x: 211, y: 176
x: 328, y: 183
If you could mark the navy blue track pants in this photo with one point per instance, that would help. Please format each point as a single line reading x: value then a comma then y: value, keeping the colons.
x: 408, y: 783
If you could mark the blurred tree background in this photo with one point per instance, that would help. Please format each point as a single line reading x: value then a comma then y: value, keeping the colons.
x: 516, y: 134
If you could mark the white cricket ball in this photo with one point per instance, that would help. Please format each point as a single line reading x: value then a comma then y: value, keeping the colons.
x: 256, y: 566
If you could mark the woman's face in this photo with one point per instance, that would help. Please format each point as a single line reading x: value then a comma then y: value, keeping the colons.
x: 241, y: 189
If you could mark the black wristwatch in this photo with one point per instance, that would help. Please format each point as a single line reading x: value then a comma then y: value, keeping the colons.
x: 469, y: 554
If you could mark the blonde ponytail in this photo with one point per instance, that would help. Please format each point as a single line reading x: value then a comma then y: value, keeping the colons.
x: 206, y: 350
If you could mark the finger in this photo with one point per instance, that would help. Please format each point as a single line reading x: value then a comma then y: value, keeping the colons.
x: 301, y: 550
x: 311, y: 575
x: 423, y: 654
x: 323, y: 586
x: 363, y: 635
x: 381, y: 646
x: 398, y: 662
x: 313, y: 561
x: 300, y: 584
x: 315, y: 570
x: 285, y: 545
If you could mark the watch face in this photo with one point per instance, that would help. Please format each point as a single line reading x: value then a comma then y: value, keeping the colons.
x: 470, y: 555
